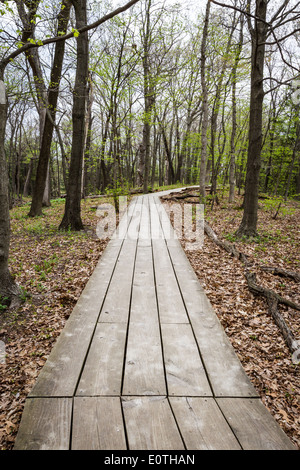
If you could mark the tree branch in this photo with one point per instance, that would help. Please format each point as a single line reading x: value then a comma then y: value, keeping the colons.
x: 41, y: 43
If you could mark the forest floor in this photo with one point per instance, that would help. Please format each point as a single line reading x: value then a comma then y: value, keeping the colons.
x: 53, y: 267
x: 253, y: 333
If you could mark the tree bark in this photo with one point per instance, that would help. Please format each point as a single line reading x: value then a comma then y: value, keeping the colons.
x: 234, y: 123
x: 248, y: 226
x: 72, y: 215
x: 42, y: 172
x: 204, y: 105
x: 8, y: 288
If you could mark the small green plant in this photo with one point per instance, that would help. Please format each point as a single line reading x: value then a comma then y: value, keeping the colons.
x: 4, y: 303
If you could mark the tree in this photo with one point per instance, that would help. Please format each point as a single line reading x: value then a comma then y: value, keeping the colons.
x: 48, y: 105
x: 72, y: 217
x: 8, y: 287
x: 248, y: 226
x: 204, y: 126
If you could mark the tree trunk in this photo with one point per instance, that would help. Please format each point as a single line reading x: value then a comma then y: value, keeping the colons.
x: 234, y: 124
x: 8, y: 287
x: 43, y: 164
x: 248, y: 226
x: 204, y: 106
x: 72, y: 215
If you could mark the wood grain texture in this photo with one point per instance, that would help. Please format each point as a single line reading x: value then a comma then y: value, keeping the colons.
x: 253, y: 425
x: 144, y: 368
x: 117, y: 300
x: 102, y: 373
x: 98, y: 424
x: 45, y: 424
x: 202, y: 425
x: 150, y: 424
x: 184, y: 369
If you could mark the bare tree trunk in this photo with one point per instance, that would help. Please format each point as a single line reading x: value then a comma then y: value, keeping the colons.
x: 42, y: 172
x: 72, y: 215
x: 204, y: 105
x: 248, y: 225
x: 234, y: 124
x: 8, y: 287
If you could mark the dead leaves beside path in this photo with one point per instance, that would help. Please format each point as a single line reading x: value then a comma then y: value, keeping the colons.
x: 52, y: 267
x: 254, y: 335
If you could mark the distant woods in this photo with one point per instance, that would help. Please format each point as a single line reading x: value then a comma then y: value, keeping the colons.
x: 157, y: 95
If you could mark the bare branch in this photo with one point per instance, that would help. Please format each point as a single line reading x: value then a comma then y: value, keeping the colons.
x: 41, y: 43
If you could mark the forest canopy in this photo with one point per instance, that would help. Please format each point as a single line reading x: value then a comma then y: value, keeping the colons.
x: 155, y: 93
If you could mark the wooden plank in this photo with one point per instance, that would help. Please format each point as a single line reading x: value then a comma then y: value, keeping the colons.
x: 202, y: 425
x: 150, y: 424
x: 134, y: 224
x: 184, y: 370
x: 144, y: 369
x: 61, y: 371
x: 226, y: 374
x: 116, y: 305
x: 171, y: 306
x: 98, y: 424
x: 45, y: 424
x: 143, y: 302
x: 102, y: 373
x: 144, y: 238
x: 253, y: 425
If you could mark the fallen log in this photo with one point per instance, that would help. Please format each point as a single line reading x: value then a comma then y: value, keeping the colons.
x: 281, y: 272
x: 272, y: 298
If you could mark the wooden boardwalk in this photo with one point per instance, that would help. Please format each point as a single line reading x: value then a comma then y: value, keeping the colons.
x: 143, y: 362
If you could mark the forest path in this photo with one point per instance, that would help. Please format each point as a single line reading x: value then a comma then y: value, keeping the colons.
x: 143, y: 362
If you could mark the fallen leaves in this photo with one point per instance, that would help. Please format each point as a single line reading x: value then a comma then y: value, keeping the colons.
x: 254, y: 335
x: 52, y: 267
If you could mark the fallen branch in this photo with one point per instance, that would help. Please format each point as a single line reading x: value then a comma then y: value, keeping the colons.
x: 281, y: 272
x: 272, y: 298
x: 231, y: 249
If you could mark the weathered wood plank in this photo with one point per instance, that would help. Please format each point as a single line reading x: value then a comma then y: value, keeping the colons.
x: 143, y: 302
x: 98, y: 424
x: 116, y: 304
x: 184, y: 369
x: 150, y: 424
x: 102, y: 373
x: 144, y: 369
x: 45, y: 424
x: 61, y: 371
x: 144, y: 238
x: 202, y: 425
x: 171, y: 306
x: 226, y: 374
x: 253, y: 425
